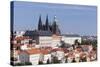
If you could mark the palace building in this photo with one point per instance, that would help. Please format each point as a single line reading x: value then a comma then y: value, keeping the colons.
x: 48, y: 34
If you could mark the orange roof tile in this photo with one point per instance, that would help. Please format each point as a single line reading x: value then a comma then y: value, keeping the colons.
x: 57, y: 49
x: 37, y: 51
x: 44, y: 51
x: 33, y: 51
x: 22, y: 38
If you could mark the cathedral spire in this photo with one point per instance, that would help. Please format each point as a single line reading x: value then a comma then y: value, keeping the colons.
x: 47, y: 23
x: 40, y: 23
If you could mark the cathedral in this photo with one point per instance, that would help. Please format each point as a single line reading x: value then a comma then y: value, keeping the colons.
x: 46, y: 34
x: 53, y: 28
x: 49, y: 35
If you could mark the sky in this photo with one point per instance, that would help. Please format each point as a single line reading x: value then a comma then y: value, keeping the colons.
x: 76, y: 19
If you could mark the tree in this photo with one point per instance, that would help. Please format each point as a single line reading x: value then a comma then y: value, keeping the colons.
x: 94, y: 43
x: 55, y: 60
x: 28, y: 63
x: 40, y: 62
x: 83, y: 59
x: 89, y: 42
x: 19, y: 64
x: 73, y: 60
x: 62, y: 44
x: 48, y: 61
x: 76, y: 42
x: 86, y: 42
x: 22, y: 64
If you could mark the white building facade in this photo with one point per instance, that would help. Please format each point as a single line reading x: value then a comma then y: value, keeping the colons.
x: 71, y: 39
x: 45, y: 41
x: 32, y: 57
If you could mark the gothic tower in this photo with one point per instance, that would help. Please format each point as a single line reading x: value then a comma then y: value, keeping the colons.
x: 47, y: 23
x: 40, y: 24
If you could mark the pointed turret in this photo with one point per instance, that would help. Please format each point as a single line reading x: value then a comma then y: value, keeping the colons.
x: 40, y: 23
x: 47, y: 23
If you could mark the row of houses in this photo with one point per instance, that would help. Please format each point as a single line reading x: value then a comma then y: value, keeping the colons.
x: 54, y: 55
x: 41, y: 46
x: 47, y: 44
x: 42, y: 49
x: 47, y: 40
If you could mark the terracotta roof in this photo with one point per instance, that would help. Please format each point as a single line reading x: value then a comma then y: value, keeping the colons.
x: 65, y: 50
x: 79, y: 49
x: 19, y: 38
x: 37, y: 51
x: 57, y: 49
x: 48, y: 47
x: 22, y: 38
x: 33, y: 51
x: 82, y: 54
x: 71, y: 55
x: 17, y: 45
x: 18, y: 51
x: 44, y: 51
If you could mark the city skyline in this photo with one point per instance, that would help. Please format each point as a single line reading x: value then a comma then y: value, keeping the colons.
x: 76, y: 19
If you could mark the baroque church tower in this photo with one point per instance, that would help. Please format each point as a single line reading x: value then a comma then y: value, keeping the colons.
x: 55, y: 28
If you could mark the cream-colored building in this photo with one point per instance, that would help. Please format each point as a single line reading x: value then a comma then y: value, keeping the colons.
x: 56, y: 40
x: 49, y: 41
x: 34, y: 55
x: 58, y: 52
x: 70, y: 39
x: 45, y: 41
x: 31, y: 55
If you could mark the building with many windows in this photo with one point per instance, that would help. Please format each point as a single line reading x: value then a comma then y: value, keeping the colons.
x: 49, y: 35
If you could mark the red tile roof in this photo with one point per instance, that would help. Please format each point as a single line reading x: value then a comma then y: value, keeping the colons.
x: 33, y: 51
x: 37, y: 51
x: 21, y: 38
x: 57, y: 49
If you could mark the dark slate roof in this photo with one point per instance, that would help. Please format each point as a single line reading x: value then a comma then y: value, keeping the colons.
x: 44, y: 33
x: 39, y: 33
x: 30, y: 33
x: 71, y: 35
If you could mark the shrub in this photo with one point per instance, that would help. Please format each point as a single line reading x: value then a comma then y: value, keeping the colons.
x: 22, y: 64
